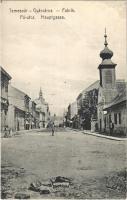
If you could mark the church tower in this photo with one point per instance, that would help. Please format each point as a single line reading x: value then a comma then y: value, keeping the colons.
x: 42, y: 100
x: 107, y: 88
x: 107, y: 67
x: 107, y: 73
x: 40, y: 94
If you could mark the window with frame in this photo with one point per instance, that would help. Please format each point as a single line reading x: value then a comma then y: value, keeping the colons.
x: 115, y: 118
x: 6, y: 88
x: 105, y: 122
x: 6, y: 85
x: 119, y: 118
x: 110, y: 118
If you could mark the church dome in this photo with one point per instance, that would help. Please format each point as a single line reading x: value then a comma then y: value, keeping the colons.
x: 106, y: 53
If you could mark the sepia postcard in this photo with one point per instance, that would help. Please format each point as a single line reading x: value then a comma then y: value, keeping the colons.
x: 63, y: 99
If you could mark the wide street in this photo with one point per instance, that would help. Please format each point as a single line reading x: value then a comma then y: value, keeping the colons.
x: 89, y: 162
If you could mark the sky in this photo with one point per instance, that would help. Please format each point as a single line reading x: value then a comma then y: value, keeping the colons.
x: 61, y: 56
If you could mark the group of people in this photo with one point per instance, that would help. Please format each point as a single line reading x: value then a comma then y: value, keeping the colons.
x: 7, y: 132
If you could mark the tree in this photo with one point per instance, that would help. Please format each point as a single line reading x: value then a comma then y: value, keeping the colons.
x: 88, y: 109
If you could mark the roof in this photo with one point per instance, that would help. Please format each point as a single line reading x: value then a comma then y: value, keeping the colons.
x: 107, y: 50
x: 121, y: 97
x: 121, y: 85
x: 17, y: 91
x: 17, y: 97
x: 110, y: 94
x: 80, y: 95
x: 94, y: 85
x: 5, y: 73
x: 106, y: 53
x: 107, y: 62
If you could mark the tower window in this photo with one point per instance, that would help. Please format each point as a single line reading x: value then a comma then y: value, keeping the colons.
x: 108, y: 76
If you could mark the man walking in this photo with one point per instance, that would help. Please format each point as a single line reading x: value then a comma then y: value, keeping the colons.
x: 111, y: 128
x: 52, y: 128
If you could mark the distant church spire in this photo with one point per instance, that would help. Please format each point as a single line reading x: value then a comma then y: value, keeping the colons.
x: 40, y: 93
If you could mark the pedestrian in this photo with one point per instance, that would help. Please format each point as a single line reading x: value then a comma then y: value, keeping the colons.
x: 52, y: 128
x: 96, y: 127
x: 7, y: 132
x: 111, y: 128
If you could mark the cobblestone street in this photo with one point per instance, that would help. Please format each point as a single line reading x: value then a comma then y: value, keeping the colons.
x: 88, y: 161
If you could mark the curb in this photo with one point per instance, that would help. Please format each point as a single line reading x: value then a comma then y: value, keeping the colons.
x: 100, y: 135
x: 105, y: 136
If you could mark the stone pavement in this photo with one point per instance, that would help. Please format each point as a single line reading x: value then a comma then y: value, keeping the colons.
x: 95, y: 166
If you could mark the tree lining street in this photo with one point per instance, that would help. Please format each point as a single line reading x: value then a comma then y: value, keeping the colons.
x: 87, y: 160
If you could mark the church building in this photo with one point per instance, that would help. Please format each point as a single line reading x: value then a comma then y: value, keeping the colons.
x: 109, y: 88
x: 43, y: 109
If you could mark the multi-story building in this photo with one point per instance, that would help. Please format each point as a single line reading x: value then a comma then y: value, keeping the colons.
x: 37, y: 119
x: 43, y: 109
x: 71, y: 118
x: 73, y: 109
x: 32, y: 110
x: 4, y: 78
x: 18, y: 112
x: 87, y: 106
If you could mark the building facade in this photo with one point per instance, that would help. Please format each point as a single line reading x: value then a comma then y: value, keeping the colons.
x: 43, y: 109
x: 87, y: 106
x: 18, y: 112
x: 4, y: 78
x: 107, y: 88
x: 33, y: 114
x: 110, y: 112
x: 37, y: 119
x: 73, y: 109
x: 103, y: 105
x: 116, y: 112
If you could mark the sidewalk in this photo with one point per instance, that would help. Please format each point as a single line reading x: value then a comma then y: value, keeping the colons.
x: 20, y: 132
x: 104, y: 136
x: 99, y: 135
